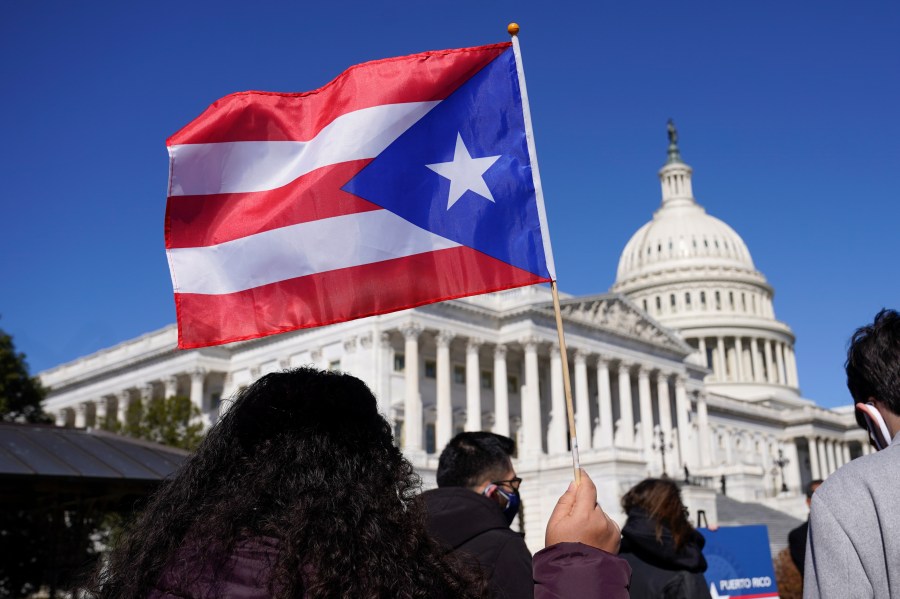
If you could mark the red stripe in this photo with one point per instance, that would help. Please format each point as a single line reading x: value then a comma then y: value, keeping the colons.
x: 762, y: 596
x: 268, y: 116
x: 194, y: 221
x: 340, y: 295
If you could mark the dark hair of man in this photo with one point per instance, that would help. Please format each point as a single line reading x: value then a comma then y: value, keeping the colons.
x: 873, y: 362
x: 661, y: 500
x: 470, y: 458
x: 812, y: 486
x: 302, y: 457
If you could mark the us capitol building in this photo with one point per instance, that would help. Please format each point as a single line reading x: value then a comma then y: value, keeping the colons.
x: 682, y: 368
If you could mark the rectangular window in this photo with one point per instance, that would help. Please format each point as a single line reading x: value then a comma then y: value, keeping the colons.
x: 487, y: 379
x: 430, y: 369
x: 687, y: 300
x: 430, y: 439
x: 334, y: 365
x: 399, y: 362
x: 459, y: 374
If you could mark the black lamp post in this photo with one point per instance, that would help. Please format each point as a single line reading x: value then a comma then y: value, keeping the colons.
x: 781, y: 462
x: 661, y: 446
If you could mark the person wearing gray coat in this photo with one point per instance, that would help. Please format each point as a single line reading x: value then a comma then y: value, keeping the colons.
x: 853, y: 548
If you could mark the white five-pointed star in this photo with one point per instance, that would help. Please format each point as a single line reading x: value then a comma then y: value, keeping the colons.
x: 465, y: 173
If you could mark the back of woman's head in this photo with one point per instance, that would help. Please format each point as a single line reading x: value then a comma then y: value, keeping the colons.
x: 661, y: 500
x: 302, y: 457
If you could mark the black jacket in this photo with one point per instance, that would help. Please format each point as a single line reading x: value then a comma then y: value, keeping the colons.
x: 474, y: 527
x: 797, y: 543
x: 659, y: 571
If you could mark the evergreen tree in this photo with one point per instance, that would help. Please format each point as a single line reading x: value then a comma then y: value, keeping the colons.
x: 20, y: 394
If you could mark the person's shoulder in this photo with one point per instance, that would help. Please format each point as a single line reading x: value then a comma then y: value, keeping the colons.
x: 864, y: 476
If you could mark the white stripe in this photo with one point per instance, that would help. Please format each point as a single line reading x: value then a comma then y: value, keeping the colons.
x: 536, y: 175
x: 299, y: 250
x: 244, y: 166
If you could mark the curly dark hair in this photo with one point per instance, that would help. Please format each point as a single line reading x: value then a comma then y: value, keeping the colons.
x: 873, y: 362
x: 661, y: 499
x: 304, y: 459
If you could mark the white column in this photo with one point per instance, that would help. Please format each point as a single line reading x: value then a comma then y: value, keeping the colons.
x: 81, y: 415
x: 412, y: 402
x: 101, y: 412
x: 703, y: 429
x: 779, y: 362
x: 626, y: 413
x: 838, y: 448
x: 845, y: 447
x: 604, y: 400
x: 823, y: 459
x: 832, y: 457
x: 757, y: 363
x: 665, y: 415
x: 146, y: 393
x: 682, y: 408
x: 770, y: 364
x: 701, y: 347
x: 170, y: 384
x: 739, y: 358
x: 582, y: 402
x: 198, y: 376
x: 814, y: 469
x: 646, y: 415
x: 792, y: 469
x: 385, y: 367
x: 556, y: 429
x: 531, y: 403
x: 61, y: 417
x: 792, y: 367
x: 123, y: 399
x: 473, y: 386
x: 501, y: 393
x: 722, y: 374
x: 444, y: 417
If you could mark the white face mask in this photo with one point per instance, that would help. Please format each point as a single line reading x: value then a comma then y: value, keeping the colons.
x: 878, y: 430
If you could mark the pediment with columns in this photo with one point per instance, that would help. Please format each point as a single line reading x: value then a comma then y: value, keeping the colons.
x: 614, y: 313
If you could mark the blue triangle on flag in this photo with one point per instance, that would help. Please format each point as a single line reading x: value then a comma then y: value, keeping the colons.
x: 486, y: 113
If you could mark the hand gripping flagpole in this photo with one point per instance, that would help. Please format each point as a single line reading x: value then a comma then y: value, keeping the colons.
x: 513, y: 30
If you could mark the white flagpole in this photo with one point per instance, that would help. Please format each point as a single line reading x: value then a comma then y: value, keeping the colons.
x: 513, y: 30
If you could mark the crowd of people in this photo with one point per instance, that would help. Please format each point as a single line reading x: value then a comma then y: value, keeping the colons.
x: 300, y: 491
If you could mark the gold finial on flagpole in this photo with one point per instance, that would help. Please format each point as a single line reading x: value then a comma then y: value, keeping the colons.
x: 513, y: 29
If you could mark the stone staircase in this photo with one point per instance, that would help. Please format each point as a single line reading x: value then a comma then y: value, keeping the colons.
x: 736, y: 513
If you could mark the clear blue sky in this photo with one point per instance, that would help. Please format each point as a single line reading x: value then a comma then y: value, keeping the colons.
x: 787, y: 111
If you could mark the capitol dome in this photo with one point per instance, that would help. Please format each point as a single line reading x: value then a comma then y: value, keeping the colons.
x: 694, y: 273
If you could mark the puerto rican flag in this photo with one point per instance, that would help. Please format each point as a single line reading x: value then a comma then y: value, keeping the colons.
x: 402, y: 182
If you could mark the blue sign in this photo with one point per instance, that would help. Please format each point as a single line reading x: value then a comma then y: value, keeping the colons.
x: 739, y: 562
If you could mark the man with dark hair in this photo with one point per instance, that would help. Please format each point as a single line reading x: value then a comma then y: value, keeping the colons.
x: 854, y: 549
x: 476, y: 500
x: 797, y: 537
